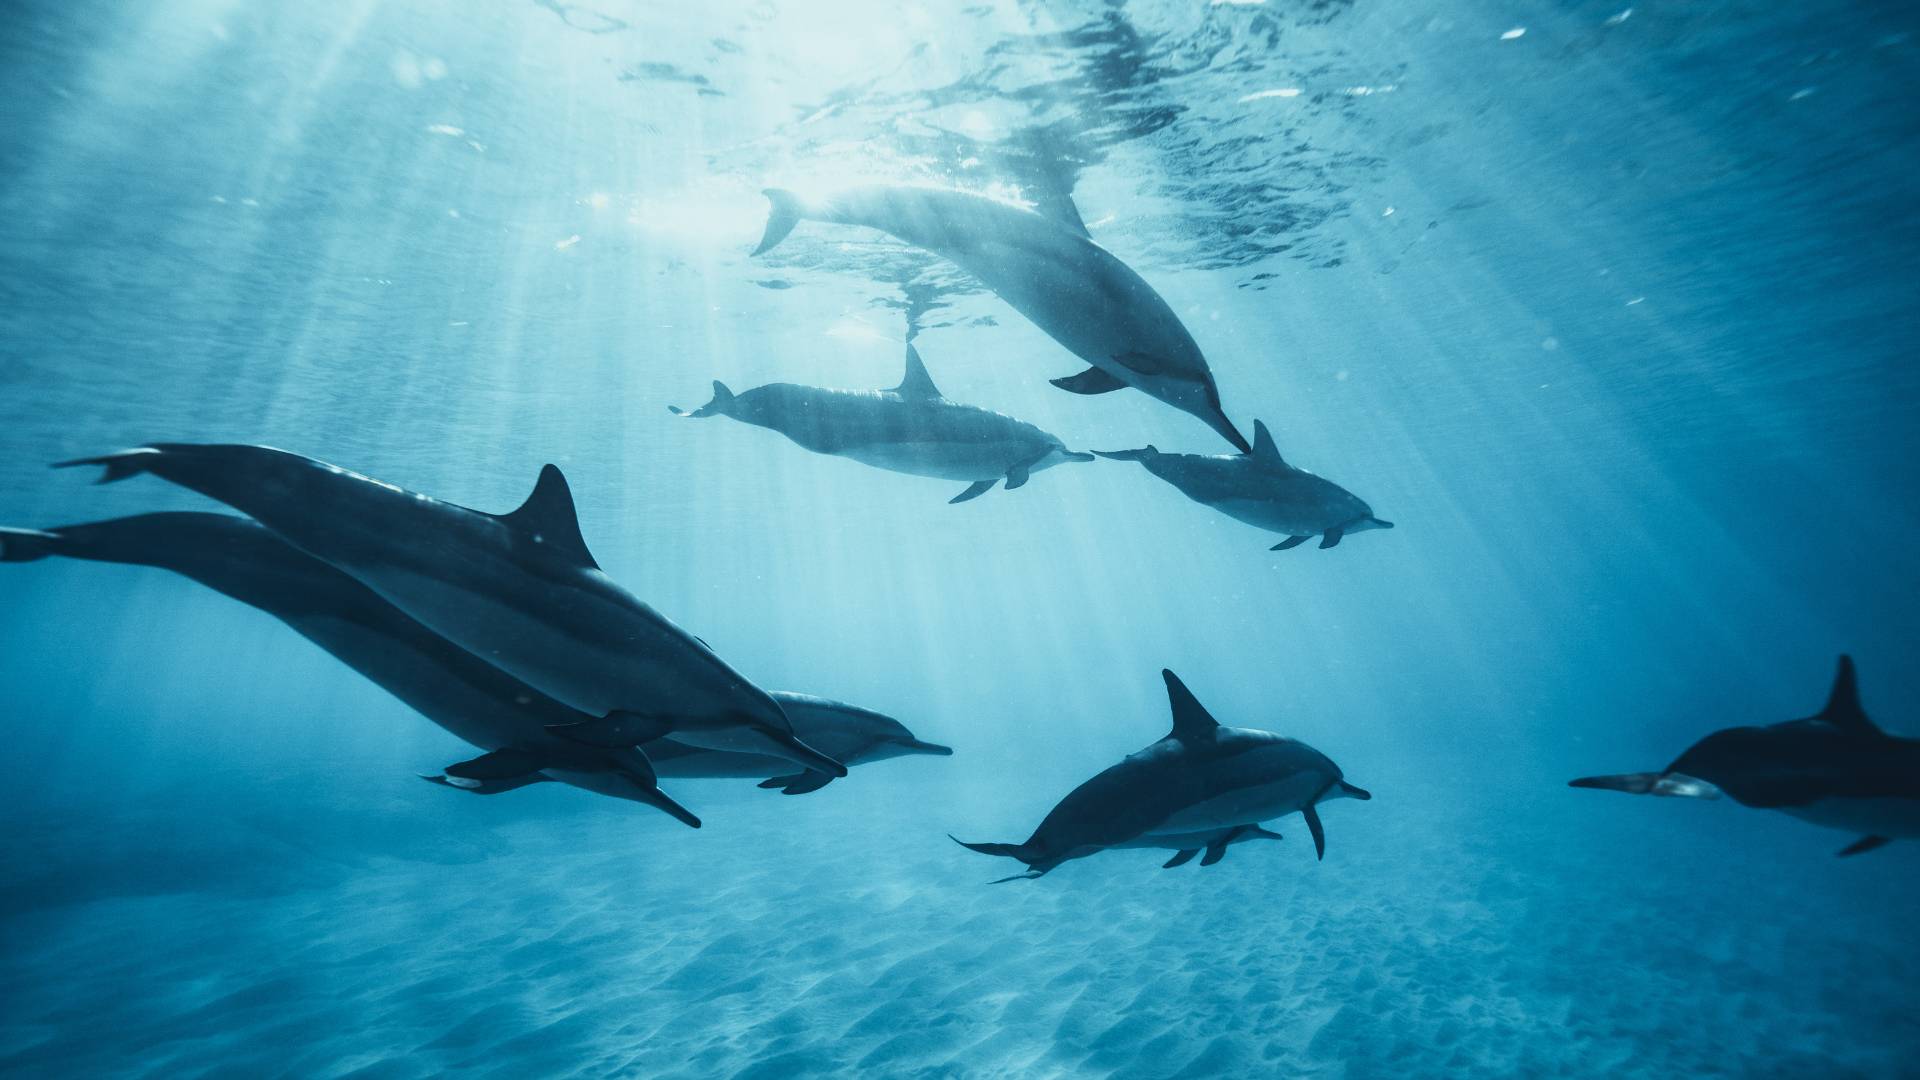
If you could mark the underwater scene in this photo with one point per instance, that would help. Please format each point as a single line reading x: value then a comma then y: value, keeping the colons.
x: 790, y: 538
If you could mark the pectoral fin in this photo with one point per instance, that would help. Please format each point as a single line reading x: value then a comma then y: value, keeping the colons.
x: 974, y: 491
x: 1331, y: 538
x: 616, y: 729
x: 798, y: 783
x: 1319, y: 833
x: 1091, y: 381
x: 1864, y: 844
x: 1180, y: 858
x: 1289, y: 542
x: 1215, y: 852
x: 1018, y: 475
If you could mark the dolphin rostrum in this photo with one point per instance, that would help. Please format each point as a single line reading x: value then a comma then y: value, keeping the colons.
x: 1201, y: 779
x: 1052, y: 272
x: 909, y: 429
x: 519, y: 590
x: 1834, y: 769
x: 1261, y: 489
x: 462, y: 693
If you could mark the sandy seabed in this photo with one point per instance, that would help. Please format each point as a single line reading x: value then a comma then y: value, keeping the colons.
x: 1566, y: 937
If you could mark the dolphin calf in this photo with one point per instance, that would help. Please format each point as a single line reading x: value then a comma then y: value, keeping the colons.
x: 1201, y: 779
x: 519, y: 590
x: 1052, y: 272
x: 462, y: 693
x: 910, y: 429
x: 846, y: 733
x: 1834, y: 769
x: 1261, y: 489
x: 1186, y: 845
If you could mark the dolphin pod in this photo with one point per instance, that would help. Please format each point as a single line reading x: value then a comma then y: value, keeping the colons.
x: 1203, y: 785
x: 1050, y: 271
x: 455, y: 689
x: 518, y: 589
x: 1834, y: 768
x: 1261, y: 489
x: 911, y: 429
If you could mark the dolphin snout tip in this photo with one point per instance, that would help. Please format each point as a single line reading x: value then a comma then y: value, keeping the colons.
x: 920, y: 747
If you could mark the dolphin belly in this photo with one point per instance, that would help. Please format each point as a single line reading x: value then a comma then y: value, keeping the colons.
x: 1243, y: 805
x: 942, y: 460
x: 1881, y: 816
x: 1278, y: 515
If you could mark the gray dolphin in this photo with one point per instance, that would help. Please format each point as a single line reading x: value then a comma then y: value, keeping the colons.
x: 1834, y: 769
x: 909, y: 429
x: 448, y: 685
x: 455, y: 689
x: 519, y: 590
x: 846, y: 733
x: 1212, y: 841
x: 1052, y: 272
x: 1202, y: 778
x: 1261, y: 489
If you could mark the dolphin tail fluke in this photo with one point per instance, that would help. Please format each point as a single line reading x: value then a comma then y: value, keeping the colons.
x: 1673, y: 785
x: 1143, y: 454
x: 118, y: 466
x: 786, y: 212
x: 27, y: 545
x: 722, y: 398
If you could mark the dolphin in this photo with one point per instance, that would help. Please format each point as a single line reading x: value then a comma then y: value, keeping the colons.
x: 520, y: 590
x: 1051, y: 271
x: 910, y: 428
x: 1261, y: 489
x: 847, y: 733
x: 1834, y: 769
x: 459, y: 691
x: 1186, y: 845
x: 1201, y: 779
x: 462, y: 693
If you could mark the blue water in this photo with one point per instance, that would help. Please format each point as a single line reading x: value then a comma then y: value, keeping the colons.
x: 1612, y: 316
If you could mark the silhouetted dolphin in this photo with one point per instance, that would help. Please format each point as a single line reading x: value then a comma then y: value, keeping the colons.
x: 1261, y: 489
x: 1201, y: 778
x: 1186, y: 845
x: 909, y: 429
x: 848, y: 734
x: 1052, y: 272
x: 519, y: 590
x: 1834, y: 769
x: 443, y: 682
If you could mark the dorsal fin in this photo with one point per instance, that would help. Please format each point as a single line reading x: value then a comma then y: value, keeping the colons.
x: 1057, y: 206
x: 1264, y: 446
x: 917, y: 382
x: 548, y: 518
x: 1191, y: 720
x: 1843, y: 702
